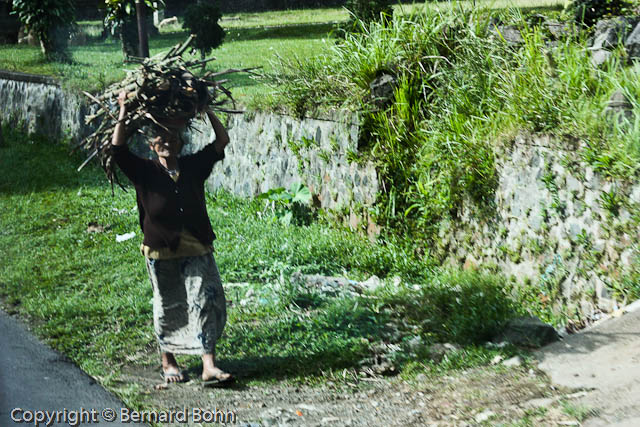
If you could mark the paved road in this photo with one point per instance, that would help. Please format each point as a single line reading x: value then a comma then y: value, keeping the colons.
x: 36, y: 378
x: 605, y: 362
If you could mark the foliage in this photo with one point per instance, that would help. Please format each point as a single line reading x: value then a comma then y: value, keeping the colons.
x: 202, y: 19
x: 289, y: 206
x: 120, y: 19
x: 434, y: 144
x: 588, y: 12
x: 50, y: 20
x: 466, y: 308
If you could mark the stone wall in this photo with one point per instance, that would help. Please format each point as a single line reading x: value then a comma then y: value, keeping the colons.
x: 266, y: 151
x: 271, y: 150
x: 559, y: 226
x: 39, y: 105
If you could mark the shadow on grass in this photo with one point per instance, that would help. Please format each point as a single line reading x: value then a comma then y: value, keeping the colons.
x: 301, y: 31
x: 34, y: 164
x: 297, y: 31
x: 337, y: 333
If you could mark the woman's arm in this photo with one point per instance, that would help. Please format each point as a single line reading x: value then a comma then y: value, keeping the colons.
x: 119, y: 133
x: 222, y: 137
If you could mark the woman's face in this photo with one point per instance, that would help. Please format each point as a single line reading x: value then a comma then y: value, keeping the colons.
x: 166, y: 144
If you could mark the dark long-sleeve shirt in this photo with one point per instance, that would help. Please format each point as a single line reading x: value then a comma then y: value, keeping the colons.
x: 166, y: 207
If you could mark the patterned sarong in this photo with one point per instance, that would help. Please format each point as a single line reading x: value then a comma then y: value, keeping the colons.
x: 189, y: 309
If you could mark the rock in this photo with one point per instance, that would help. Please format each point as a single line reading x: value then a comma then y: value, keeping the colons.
x: 599, y: 57
x: 483, y: 416
x: 497, y: 359
x: 438, y: 351
x: 415, y: 344
x: 607, y: 305
x: 382, y: 89
x: 509, y: 33
x: 574, y: 185
x: 326, y: 284
x: 619, y: 104
x: 527, y: 331
x: 539, y: 403
x: 373, y: 283
x: 168, y: 21
x: 514, y: 361
x: 558, y: 30
x: 610, y: 32
x: 632, y: 44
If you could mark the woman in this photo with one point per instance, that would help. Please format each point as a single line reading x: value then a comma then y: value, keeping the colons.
x: 189, y: 310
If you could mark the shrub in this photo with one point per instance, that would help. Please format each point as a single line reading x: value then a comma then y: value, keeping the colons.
x: 459, y: 91
x: 51, y: 21
x: 202, y: 19
x: 588, y: 12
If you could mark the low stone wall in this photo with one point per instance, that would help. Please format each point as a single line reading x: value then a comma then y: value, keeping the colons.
x: 559, y: 226
x: 38, y: 105
x: 271, y: 150
x: 266, y: 151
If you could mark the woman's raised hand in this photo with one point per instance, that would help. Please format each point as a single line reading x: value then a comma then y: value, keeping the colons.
x: 122, y: 98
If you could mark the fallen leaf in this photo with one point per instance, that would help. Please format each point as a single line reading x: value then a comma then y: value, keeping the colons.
x: 94, y: 227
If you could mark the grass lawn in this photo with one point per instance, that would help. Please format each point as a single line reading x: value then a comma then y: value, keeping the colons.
x: 253, y: 40
x: 88, y: 295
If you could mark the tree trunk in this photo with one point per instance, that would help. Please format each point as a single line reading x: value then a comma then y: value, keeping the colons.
x: 54, y: 44
x: 143, y: 38
x: 129, y: 36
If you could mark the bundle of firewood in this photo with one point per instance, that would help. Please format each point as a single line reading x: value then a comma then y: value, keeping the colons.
x: 160, y: 91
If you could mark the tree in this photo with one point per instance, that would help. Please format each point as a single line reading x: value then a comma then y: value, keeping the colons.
x: 202, y: 19
x: 51, y: 21
x: 121, y: 19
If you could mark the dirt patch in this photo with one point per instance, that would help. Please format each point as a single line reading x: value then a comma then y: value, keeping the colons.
x: 491, y: 395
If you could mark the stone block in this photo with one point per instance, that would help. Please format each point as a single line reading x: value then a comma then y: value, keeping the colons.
x: 528, y: 332
x: 574, y: 186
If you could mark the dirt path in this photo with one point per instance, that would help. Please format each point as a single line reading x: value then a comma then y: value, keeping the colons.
x: 604, y: 361
x: 590, y: 379
x: 491, y: 395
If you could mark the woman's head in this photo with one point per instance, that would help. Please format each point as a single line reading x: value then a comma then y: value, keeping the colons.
x: 166, y: 142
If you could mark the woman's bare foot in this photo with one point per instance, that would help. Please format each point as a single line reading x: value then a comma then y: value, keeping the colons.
x: 211, y: 373
x: 170, y: 369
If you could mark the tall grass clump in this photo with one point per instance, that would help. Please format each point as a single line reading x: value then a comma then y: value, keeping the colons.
x: 460, y: 91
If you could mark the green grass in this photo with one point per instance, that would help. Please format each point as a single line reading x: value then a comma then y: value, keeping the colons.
x: 89, y: 296
x: 253, y: 40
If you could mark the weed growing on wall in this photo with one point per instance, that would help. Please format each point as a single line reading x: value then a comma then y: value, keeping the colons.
x: 458, y: 90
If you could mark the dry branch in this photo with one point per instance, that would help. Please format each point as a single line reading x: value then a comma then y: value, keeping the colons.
x: 160, y: 91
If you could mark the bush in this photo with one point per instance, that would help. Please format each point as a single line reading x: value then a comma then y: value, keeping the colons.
x: 459, y: 90
x: 202, y: 19
x: 588, y: 12
x: 51, y: 21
